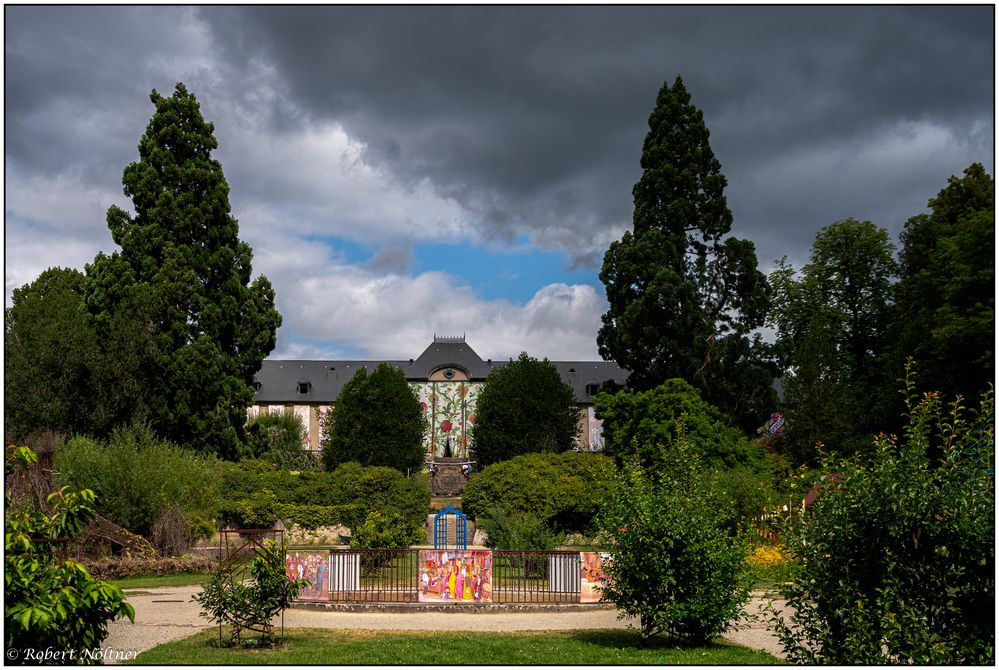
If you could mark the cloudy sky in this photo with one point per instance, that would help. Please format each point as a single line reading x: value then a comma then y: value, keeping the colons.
x: 401, y: 171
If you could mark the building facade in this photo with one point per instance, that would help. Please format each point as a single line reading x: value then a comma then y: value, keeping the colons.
x: 446, y: 378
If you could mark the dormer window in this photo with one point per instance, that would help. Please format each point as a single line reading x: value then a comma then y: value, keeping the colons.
x: 304, y: 387
x: 257, y: 384
x: 592, y: 388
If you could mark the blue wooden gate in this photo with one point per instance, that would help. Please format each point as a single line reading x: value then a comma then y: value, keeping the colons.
x: 441, y: 527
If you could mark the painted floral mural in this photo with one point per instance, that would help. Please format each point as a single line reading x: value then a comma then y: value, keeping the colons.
x: 450, y: 411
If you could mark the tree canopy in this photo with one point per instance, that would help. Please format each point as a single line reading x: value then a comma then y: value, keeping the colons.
x: 181, y: 284
x: 832, y: 326
x: 377, y: 421
x: 682, y: 293
x: 523, y: 407
x: 945, y: 299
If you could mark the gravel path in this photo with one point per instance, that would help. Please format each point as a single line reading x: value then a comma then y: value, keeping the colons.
x: 166, y: 614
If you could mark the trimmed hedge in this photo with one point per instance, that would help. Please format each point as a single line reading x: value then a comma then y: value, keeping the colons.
x: 111, y: 568
x: 564, y: 490
x: 257, y: 494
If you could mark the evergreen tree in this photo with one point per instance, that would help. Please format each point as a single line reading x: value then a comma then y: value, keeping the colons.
x: 682, y: 295
x: 182, y: 283
x: 523, y: 407
x: 377, y: 421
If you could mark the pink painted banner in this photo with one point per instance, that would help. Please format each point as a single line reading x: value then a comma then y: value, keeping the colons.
x: 592, y: 576
x: 456, y: 576
x: 311, y: 565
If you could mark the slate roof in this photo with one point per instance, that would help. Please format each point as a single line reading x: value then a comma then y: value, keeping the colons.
x: 320, y: 382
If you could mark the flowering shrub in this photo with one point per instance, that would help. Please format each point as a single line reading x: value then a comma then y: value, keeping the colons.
x: 770, y: 563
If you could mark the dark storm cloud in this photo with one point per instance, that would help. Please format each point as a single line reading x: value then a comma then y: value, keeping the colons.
x: 533, y: 117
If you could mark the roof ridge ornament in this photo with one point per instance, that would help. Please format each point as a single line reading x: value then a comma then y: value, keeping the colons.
x: 455, y: 339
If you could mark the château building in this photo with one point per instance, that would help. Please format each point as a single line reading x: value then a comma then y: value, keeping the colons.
x: 446, y: 378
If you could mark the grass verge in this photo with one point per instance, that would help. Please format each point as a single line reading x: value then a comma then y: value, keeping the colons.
x: 153, y: 581
x: 310, y: 646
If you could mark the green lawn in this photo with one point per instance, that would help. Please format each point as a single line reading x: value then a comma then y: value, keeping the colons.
x: 153, y: 581
x: 307, y: 646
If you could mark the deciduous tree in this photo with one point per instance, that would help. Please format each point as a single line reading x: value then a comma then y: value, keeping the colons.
x: 377, y: 421
x: 183, y: 280
x: 945, y: 300
x: 832, y: 322
x: 523, y: 407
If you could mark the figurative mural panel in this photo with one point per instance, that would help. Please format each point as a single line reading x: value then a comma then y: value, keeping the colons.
x: 311, y: 565
x: 596, y: 430
x: 456, y: 576
x: 592, y: 576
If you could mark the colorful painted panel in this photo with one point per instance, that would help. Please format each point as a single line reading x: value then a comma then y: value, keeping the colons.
x: 311, y: 565
x: 453, y: 411
x: 592, y: 577
x: 424, y: 393
x: 596, y: 430
x: 456, y: 576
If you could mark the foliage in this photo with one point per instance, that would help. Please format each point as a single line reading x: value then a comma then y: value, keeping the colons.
x: 312, y: 498
x: 771, y: 564
x: 562, y: 491
x: 523, y: 407
x: 682, y: 295
x: 226, y: 599
x: 377, y: 421
x: 116, y: 568
x: 53, y: 605
x: 181, y: 286
x: 647, y: 423
x: 137, y: 476
x: 896, y: 557
x: 672, y: 564
x: 517, y: 530
x: 279, y: 439
x: 945, y: 299
x: 832, y: 325
x: 49, y: 350
x: 387, y: 531
x: 456, y: 647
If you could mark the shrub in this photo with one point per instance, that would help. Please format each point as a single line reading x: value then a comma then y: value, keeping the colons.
x: 565, y: 491
x: 136, y: 476
x: 311, y: 498
x: 672, y: 564
x: 386, y: 531
x: 516, y: 530
x: 647, y: 422
x: 226, y: 599
x: 896, y: 557
x: 279, y: 439
x: 771, y: 564
x: 53, y: 605
x: 117, y: 567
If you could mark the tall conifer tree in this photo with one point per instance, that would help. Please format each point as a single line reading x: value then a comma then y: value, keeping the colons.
x: 184, y: 277
x: 683, y: 296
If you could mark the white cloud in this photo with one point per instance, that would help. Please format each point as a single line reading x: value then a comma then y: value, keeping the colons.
x: 395, y: 316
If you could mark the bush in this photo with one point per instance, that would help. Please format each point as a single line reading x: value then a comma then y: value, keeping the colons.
x: 53, y: 605
x: 672, y: 564
x: 565, y: 491
x: 136, y: 477
x: 896, y: 557
x: 386, y: 531
x: 314, y: 498
x: 117, y: 567
x: 647, y: 422
x: 516, y: 530
x: 226, y: 599
x: 279, y: 439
